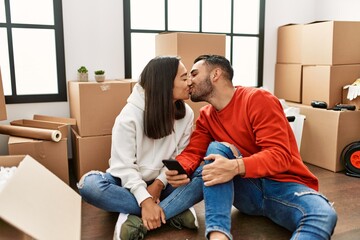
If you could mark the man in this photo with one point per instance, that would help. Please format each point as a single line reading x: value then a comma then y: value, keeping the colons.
x: 251, y: 158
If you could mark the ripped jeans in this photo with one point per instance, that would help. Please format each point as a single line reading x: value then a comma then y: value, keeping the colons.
x: 296, y: 207
x: 105, y: 191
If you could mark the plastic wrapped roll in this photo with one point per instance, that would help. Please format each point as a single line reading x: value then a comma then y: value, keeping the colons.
x: 30, y: 132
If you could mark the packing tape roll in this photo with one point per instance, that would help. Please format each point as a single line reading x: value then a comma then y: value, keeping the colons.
x: 350, y: 156
x: 31, y: 132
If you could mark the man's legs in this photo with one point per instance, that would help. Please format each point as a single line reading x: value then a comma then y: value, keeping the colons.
x: 294, y: 206
x: 219, y: 198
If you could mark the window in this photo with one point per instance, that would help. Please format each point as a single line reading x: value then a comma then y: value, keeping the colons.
x: 241, y: 20
x: 32, y: 51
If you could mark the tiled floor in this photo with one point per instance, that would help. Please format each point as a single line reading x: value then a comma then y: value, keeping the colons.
x: 344, y: 191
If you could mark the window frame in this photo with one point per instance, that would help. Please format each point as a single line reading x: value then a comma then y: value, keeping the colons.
x: 128, y: 31
x: 60, y: 57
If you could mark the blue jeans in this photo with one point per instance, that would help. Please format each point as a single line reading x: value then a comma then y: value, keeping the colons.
x: 105, y: 191
x: 296, y: 207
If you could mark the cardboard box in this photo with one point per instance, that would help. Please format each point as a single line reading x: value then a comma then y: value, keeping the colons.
x: 189, y: 45
x: 325, y: 134
x: 90, y: 153
x: 288, y: 82
x: 35, y: 204
x: 3, y: 114
x: 355, y: 101
x: 196, y: 106
x: 96, y: 105
x: 289, y: 43
x: 325, y: 83
x: 47, y: 122
x: 53, y: 155
x: 331, y: 43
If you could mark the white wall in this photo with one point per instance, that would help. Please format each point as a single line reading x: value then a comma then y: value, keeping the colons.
x: 93, y: 32
x: 277, y: 13
x: 93, y: 35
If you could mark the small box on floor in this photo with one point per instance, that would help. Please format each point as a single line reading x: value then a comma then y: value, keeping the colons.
x: 35, y: 204
x: 90, y: 153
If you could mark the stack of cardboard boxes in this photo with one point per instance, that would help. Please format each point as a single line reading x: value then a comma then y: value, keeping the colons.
x: 314, y: 62
x: 95, y: 106
x: 34, y: 202
x: 189, y: 46
x: 52, y: 154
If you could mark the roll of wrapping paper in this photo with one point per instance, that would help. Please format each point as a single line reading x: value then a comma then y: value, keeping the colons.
x: 31, y: 132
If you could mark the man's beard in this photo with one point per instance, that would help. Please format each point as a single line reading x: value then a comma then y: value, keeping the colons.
x: 204, y: 91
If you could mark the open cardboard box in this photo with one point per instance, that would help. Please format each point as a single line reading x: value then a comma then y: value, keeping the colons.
x: 47, y: 122
x: 35, y: 204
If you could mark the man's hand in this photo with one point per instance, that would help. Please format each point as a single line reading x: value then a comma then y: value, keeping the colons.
x: 155, y: 190
x: 175, y: 179
x: 152, y: 214
x: 221, y: 170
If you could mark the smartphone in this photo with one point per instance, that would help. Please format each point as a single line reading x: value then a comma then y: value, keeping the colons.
x: 172, y: 164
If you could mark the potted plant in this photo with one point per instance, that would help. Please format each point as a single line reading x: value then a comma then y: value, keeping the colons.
x: 99, y: 75
x: 83, y: 74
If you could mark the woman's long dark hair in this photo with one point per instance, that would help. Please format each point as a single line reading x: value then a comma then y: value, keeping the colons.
x: 157, y: 79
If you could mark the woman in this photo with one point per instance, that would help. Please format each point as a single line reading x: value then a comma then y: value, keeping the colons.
x: 154, y: 125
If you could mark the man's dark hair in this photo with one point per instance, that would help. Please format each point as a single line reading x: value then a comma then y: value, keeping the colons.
x: 157, y: 79
x: 217, y: 61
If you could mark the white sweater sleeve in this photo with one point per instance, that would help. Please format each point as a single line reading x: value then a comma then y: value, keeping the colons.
x: 123, y: 154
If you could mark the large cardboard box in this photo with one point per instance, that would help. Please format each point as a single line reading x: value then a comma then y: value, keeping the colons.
x: 289, y: 43
x: 91, y: 153
x: 325, y: 134
x: 331, y: 43
x: 325, y: 83
x: 53, y: 155
x: 288, y: 82
x: 189, y: 45
x: 3, y: 114
x: 96, y: 105
x: 35, y: 204
x: 196, y: 106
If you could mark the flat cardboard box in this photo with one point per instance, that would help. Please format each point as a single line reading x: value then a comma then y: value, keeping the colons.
x: 189, y: 45
x: 289, y: 43
x: 325, y: 134
x: 35, y: 204
x: 47, y: 122
x: 288, y: 82
x: 325, y: 83
x: 90, y: 153
x: 96, y: 105
x: 331, y: 43
x: 355, y: 101
x: 3, y: 114
x: 53, y: 155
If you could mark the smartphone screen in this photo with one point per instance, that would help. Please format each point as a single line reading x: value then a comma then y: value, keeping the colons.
x: 172, y: 164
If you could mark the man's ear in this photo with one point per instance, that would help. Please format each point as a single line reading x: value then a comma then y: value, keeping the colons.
x: 216, y: 74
